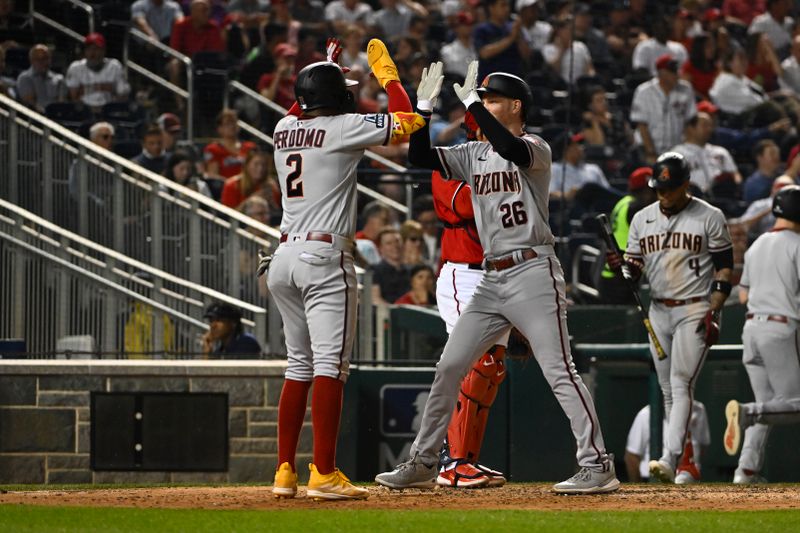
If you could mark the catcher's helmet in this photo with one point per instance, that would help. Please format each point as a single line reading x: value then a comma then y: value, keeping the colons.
x: 323, y: 84
x: 786, y: 203
x: 670, y: 171
x: 508, y: 85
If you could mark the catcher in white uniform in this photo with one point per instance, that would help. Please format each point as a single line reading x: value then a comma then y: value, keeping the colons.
x: 684, y: 246
x: 311, y: 275
x: 770, y: 286
x: 523, y: 284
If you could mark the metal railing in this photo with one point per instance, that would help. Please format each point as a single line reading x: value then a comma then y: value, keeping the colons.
x: 235, y: 87
x: 82, y: 187
x: 125, y: 277
x: 186, y: 94
x: 36, y: 15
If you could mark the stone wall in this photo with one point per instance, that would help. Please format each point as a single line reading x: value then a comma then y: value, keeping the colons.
x: 44, y: 416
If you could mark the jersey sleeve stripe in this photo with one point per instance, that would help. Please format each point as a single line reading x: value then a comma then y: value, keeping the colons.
x: 389, y: 128
x: 461, y: 185
x: 721, y: 248
x: 445, y: 166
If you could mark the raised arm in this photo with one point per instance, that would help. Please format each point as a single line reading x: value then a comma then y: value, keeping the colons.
x: 420, y: 153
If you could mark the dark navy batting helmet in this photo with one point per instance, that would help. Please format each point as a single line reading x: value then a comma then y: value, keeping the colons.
x: 786, y: 203
x: 507, y: 85
x: 323, y: 84
x: 670, y: 171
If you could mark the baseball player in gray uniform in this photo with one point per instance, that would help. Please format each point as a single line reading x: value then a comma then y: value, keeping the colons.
x: 523, y: 284
x: 311, y: 275
x: 770, y: 286
x: 684, y: 246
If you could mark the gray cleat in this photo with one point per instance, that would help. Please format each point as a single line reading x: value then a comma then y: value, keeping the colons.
x: 662, y: 471
x: 588, y: 481
x: 413, y: 474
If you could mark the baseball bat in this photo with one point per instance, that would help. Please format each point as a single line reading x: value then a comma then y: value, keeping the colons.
x: 605, y: 232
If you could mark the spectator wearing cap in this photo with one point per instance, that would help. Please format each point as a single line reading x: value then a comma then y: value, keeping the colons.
x: 226, y: 338
x: 171, y: 129
x: 613, y: 288
x: 707, y: 162
x: 535, y: 31
x: 39, y: 86
x: 153, y: 157
x: 341, y: 13
x: 96, y: 80
x: 768, y: 161
x: 568, y: 58
x: 776, y: 24
x: 701, y: 69
x: 660, y: 108
x: 395, y: 16
x: 648, y: 51
x: 460, y: 52
x: 582, y: 185
x: 156, y: 18
x: 499, y: 41
x: 790, y: 78
x: 278, y: 86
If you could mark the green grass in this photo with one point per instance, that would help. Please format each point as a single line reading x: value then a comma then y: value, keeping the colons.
x: 28, y: 518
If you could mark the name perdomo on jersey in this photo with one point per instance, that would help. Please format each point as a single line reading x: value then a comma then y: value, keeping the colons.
x: 671, y: 240
x: 299, y: 138
x: 503, y: 181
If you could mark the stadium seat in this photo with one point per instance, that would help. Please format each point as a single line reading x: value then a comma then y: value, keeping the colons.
x: 68, y: 114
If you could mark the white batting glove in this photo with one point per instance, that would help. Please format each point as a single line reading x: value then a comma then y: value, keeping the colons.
x: 264, y: 260
x: 429, y: 86
x: 467, y: 93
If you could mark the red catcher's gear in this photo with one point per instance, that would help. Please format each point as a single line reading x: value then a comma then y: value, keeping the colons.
x: 478, y: 392
x: 453, y: 203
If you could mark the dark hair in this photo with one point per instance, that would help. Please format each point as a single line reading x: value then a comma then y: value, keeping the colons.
x: 728, y: 59
x: 372, y: 209
x: 751, y: 45
x: 422, y: 203
x: 588, y: 94
x: 697, y: 54
x: 152, y: 129
x: 419, y: 268
x: 175, y: 159
x: 762, y: 145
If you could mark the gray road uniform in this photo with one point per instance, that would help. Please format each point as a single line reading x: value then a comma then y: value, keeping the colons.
x: 676, y: 252
x: 523, y: 286
x: 312, y: 276
x: 771, y: 339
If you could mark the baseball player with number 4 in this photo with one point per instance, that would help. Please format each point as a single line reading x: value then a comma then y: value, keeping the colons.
x: 311, y: 275
x: 684, y: 246
x: 523, y: 284
x: 770, y: 286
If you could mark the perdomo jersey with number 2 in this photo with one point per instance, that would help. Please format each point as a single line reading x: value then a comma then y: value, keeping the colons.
x: 676, y: 250
x: 316, y: 160
x: 510, y: 202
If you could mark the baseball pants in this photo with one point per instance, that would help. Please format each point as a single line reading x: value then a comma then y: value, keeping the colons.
x: 531, y: 297
x: 315, y: 290
x: 772, y: 360
x: 675, y: 328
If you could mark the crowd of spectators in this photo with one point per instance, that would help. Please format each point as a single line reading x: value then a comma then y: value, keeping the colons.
x: 615, y: 83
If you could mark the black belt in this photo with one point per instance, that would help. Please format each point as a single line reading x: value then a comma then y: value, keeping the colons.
x: 510, y: 261
x: 312, y: 236
x: 669, y: 302
x: 772, y: 318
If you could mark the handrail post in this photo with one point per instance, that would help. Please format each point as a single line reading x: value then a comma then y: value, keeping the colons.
x: 189, y: 100
x: 13, y: 150
x: 156, y: 229
x: 83, y: 192
x: 118, y: 208
x: 234, y: 261
x: 195, y: 245
x: 47, y: 175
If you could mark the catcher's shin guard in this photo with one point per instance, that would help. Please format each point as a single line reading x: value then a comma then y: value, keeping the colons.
x: 478, y: 392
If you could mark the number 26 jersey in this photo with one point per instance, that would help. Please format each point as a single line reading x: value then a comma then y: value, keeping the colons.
x: 676, y: 250
x: 510, y: 202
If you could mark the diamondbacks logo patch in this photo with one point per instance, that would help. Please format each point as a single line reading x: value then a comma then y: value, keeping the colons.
x: 664, y: 174
x: 378, y: 120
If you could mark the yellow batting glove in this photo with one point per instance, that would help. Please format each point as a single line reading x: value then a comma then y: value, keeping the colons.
x: 404, y: 124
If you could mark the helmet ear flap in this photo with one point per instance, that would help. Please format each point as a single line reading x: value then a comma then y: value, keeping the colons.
x: 348, y: 103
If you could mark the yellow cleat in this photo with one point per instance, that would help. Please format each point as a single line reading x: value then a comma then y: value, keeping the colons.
x: 333, y: 486
x: 285, y: 485
x: 383, y: 68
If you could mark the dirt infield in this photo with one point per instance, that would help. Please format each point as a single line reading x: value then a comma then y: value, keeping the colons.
x: 514, y: 496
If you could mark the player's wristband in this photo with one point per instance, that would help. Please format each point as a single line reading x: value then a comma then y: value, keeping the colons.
x: 724, y: 287
x: 424, y: 106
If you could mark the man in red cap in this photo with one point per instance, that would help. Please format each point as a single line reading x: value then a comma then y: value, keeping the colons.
x: 613, y: 288
x: 660, y: 108
x: 96, y: 80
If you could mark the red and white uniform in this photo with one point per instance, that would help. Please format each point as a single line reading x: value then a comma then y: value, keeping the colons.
x: 462, y: 253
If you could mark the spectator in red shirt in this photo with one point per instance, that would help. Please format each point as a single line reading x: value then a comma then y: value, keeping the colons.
x: 278, y: 86
x: 253, y: 180
x: 701, y: 70
x: 742, y: 11
x: 223, y: 157
x: 192, y: 34
x: 421, y: 292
